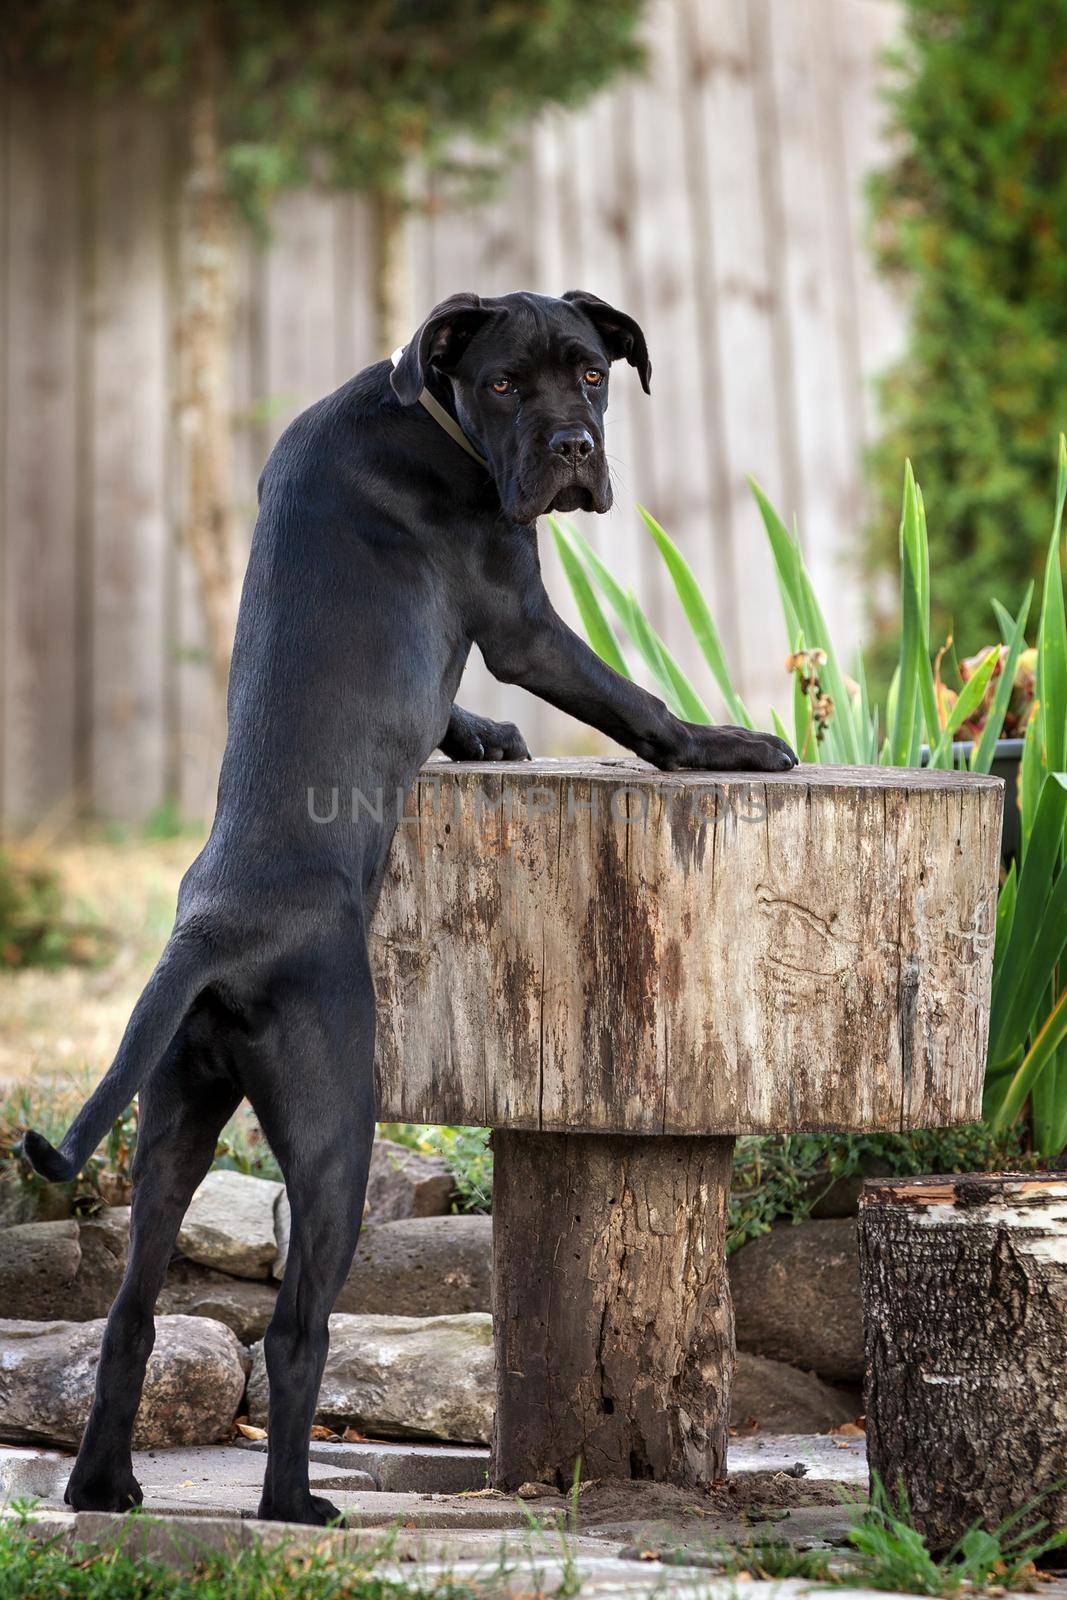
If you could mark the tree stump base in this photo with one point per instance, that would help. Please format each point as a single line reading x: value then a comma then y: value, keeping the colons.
x: 965, y: 1307
x: 612, y: 1312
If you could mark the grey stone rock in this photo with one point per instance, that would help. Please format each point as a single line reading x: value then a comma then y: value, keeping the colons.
x: 72, y: 1270
x: 402, y: 1377
x: 243, y: 1304
x: 781, y: 1399
x: 180, y: 1541
x: 421, y: 1267
x: 195, y: 1381
x: 402, y: 1183
x: 69, y: 1269
x: 796, y: 1295
x: 406, y: 1183
x: 105, y: 1245
x: 282, y: 1224
x: 840, y: 1199
x: 39, y: 1264
x: 45, y: 1202
x: 828, y: 1457
x: 426, y: 1469
x: 230, y: 1224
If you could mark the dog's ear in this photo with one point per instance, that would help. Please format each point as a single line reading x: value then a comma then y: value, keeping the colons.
x: 621, y: 336
x: 440, y: 342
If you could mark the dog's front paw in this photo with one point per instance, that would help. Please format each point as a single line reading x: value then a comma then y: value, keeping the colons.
x: 728, y: 749
x: 471, y: 738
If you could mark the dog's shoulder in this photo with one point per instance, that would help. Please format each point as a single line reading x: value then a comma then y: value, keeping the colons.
x: 328, y: 430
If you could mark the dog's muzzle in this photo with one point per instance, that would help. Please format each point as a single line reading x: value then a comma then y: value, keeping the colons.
x: 567, y: 473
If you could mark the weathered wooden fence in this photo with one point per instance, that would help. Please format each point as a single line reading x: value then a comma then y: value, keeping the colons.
x: 719, y: 200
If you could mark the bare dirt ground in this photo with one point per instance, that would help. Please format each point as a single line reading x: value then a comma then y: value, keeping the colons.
x: 662, y: 1511
x: 63, y: 1026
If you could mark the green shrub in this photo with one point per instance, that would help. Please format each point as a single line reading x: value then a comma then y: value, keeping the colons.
x: 106, y: 1176
x: 836, y: 720
x: 775, y: 1178
x: 33, y: 929
x: 782, y: 1177
x: 242, y: 1147
x: 973, y: 215
x: 467, y: 1154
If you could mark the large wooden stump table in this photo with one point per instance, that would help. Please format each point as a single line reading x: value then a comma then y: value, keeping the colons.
x: 618, y: 971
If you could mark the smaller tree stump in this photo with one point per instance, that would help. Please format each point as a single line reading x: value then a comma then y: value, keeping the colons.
x: 965, y: 1305
x: 611, y: 1307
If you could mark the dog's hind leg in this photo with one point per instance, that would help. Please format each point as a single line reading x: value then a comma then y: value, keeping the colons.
x: 314, y: 1097
x: 184, y: 1105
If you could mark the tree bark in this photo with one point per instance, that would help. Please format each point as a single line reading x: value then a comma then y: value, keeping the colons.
x: 205, y: 384
x: 612, y: 1312
x: 965, y: 1303
x: 393, y: 312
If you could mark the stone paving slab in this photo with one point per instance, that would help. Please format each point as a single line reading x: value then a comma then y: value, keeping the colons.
x: 200, y: 1476
x: 30, y: 1474
x: 607, y: 1576
x: 220, y: 1483
x: 437, y: 1469
x: 452, y: 1469
x: 219, y: 1468
x: 433, y: 1468
x: 182, y: 1539
x: 224, y: 1482
x: 827, y: 1457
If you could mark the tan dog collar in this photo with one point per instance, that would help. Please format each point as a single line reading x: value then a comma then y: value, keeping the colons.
x: 443, y: 419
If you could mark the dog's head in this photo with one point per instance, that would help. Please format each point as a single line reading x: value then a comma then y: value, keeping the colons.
x: 529, y: 385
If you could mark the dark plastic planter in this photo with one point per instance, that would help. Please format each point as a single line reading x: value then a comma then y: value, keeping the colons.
x: 1006, y: 763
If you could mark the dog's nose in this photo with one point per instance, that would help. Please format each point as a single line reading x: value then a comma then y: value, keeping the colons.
x: 572, y: 444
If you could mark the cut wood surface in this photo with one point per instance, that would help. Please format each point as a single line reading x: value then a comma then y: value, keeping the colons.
x: 965, y: 1306
x: 601, y: 946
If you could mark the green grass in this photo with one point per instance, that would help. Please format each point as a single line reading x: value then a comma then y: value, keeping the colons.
x: 892, y: 1554
x: 888, y: 1552
x: 45, y: 1569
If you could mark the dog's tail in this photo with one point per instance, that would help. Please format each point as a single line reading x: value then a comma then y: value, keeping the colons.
x: 185, y: 967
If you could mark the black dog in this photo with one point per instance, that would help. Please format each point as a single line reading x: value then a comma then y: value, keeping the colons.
x: 384, y: 549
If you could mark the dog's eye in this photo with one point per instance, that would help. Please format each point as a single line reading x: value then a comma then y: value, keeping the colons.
x: 593, y: 377
x: 502, y: 386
